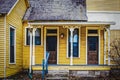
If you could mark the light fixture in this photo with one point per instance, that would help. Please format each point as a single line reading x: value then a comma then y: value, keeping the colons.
x: 62, y: 35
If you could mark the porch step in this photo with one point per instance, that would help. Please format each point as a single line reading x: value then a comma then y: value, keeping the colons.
x: 58, y: 75
x: 57, y: 78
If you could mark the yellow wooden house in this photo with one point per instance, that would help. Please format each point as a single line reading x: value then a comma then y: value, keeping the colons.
x: 29, y: 29
x: 11, y: 14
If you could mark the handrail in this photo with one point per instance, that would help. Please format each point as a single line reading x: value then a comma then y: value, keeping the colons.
x: 45, y: 65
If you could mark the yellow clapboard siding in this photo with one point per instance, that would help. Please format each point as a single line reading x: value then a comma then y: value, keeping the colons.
x: 15, y: 19
x: 103, y: 5
x: 114, y: 35
x: 1, y: 46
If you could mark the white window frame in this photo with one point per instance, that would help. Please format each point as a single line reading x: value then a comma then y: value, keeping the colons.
x: 79, y: 43
x: 41, y: 36
x: 14, y: 45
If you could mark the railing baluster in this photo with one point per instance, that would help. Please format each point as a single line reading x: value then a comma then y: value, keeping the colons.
x: 45, y: 66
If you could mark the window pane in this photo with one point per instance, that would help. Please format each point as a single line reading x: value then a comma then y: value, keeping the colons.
x: 52, y: 31
x: 92, y: 31
x: 38, y: 36
x: 75, y: 43
x: 92, y: 41
x: 27, y: 37
x: 12, y: 45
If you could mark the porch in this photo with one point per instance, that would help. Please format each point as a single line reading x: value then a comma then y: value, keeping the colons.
x: 74, y: 67
x: 63, y: 45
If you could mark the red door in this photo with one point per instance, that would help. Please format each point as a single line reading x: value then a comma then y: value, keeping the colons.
x: 93, y: 50
x: 51, y: 47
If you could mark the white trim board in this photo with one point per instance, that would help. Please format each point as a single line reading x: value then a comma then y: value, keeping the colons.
x: 73, y: 23
x: 105, y: 12
x: 12, y: 7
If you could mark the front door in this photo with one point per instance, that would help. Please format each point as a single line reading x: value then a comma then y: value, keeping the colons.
x: 93, y: 50
x: 51, y: 45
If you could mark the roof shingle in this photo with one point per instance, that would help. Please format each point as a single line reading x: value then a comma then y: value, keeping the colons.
x: 6, y: 5
x: 56, y: 10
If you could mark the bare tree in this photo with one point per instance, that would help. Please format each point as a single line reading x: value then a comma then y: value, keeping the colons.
x: 115, y: 51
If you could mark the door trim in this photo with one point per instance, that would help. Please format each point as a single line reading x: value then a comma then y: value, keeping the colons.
x: 93, y: 28
x: 45, y: 34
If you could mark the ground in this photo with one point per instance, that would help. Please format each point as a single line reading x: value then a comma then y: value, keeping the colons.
x: 114, y: 75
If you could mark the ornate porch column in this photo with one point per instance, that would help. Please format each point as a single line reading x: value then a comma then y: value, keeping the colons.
x: 105, y: 47
x: 108, y: 30
x: 31, y: 50
x: 33, y: 56
x: 71, y: 45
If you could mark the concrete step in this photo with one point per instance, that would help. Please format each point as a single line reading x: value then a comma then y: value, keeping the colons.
x: 57, y: 75
x: 57, y: 78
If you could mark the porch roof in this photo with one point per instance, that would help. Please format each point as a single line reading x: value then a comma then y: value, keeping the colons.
x: 72, y: 23
x: 56, y: 10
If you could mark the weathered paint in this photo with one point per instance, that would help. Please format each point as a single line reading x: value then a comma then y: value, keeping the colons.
x: 14, y: 19
x: 103, y: 5
x: 73, y: 68
x: 1, y: 46
x: 114, y: 35
x: 62, y: 58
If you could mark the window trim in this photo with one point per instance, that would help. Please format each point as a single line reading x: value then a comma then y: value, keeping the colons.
x: 26, y: 36
x: 14, y: 45
x: 79, y: 43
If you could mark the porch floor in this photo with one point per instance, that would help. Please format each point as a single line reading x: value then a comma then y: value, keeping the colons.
x: 73, y: 67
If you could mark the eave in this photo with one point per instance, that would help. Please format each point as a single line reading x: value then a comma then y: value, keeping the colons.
x: 73, y: 23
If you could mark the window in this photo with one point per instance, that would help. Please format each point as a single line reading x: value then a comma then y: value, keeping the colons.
x: 92, y: 31
x: 37, y: 36
x: 75, y: 43
x: 51, y: 31
x: 12, y: 45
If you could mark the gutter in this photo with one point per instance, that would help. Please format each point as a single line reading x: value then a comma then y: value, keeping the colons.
x: 73, y: 23
x: 4, y: 47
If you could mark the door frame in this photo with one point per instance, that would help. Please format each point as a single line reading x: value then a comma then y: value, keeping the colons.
x: 93, y: 28
x: 45, y: 35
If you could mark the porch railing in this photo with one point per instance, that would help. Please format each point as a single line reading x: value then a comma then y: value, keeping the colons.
x: 45, y: 66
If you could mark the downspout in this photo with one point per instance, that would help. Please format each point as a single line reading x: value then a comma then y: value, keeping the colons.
x: 108, y: 30
x: 5, y: 47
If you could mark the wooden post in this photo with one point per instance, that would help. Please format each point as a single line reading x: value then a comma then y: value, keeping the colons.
x: 33, y: 56
x: 71, y: 50
x: 30, y: 65
x: 104, y: 47
x: 108, y: 46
